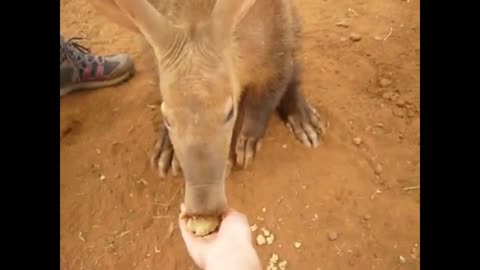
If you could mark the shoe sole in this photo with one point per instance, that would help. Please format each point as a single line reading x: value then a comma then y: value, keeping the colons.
x: 92, y: 85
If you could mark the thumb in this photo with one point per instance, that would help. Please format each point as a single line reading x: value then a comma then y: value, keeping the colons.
x: 236, y: 223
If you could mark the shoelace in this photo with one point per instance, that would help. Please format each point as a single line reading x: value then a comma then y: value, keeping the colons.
x: 78, y: 52
x: 77, y: 46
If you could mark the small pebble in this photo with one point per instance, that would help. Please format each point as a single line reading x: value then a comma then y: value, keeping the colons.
x: 378, y: 169
x: 387, y: 95
x: 413, y: 253
x: 297, y: 244
x: 81, y: 237
x: 367, y: 217
x: 265, y: 232
x: 343, y: 23
x: 398, y: 112
x: 355, y: 37
x: 102, y: 177
x: 332, y: 236
x: 264, y: 210
x: 384, y: 82
x: 284, y: 146
x: 254, y: 227
x: 343, y: 39
x: 400, y: 102
x: 261, y: 240
x: 410, y: 113
x: 357, y: 141
x: 402, y: 259
x: 282, y: 265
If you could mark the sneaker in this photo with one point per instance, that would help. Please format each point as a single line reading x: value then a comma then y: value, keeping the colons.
x: 79, y: 69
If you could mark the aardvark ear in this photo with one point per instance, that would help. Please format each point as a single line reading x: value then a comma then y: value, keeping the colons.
x: 226, y: 15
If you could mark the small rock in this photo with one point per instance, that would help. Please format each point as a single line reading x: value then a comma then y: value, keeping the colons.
x: 264, y: 209
x: 261, y: 240
x: 378, y: 38
x: 284, y: 146
x: 400, y: 102
x: 297, y: 244
x: 378, y: 169
x: 367, y: 217
x: 398, y: 112
x: 413, y: 253
x: 357, y: 141
x: 102, y: 177
x: 343, y: 23
x: 384, y: 82
x: 410, y: 113
x: 81, y: 237
x: 254, y: 227
x: 402, y: 259
x: 387, y: 95
x: 332, y: 236
x: 343, y: 39
x: 355, y: 37
x: 265, y: 232
x: 152, y: 106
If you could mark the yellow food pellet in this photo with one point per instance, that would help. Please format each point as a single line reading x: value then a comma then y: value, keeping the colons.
x: 202, y: 226
x: 261, y: 240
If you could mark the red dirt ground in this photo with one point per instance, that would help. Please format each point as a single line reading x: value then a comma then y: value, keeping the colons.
x: 128, y: 220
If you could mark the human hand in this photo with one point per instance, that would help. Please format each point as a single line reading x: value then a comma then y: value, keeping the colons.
x: 233, y: 238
